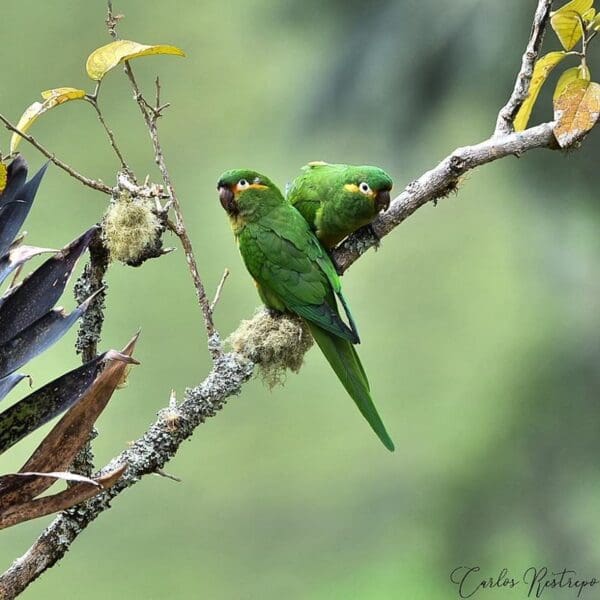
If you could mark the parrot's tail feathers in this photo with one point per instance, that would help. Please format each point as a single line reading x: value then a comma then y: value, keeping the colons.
x: 350, y: 318
x: 325, y: 317
x: 347, y: 366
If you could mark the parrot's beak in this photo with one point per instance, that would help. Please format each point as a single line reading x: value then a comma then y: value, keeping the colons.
x: 227, y: 199
x: 382, y: 199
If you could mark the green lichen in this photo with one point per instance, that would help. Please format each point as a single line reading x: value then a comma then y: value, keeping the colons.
x: 131, y: 230
x: 275, y: 342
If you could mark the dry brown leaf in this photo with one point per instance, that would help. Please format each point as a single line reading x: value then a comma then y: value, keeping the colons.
x: 576, y: 111
x: 58, y: 449
x: 47, y: 505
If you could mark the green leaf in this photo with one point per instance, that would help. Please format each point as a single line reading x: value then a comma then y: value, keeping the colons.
x: 576, y: 111
x: 569, y: 76
x: 595, y: 24
x: 568, y: 27
x: 541, y: 70
x: 105, y: 58
x: 51, y: 98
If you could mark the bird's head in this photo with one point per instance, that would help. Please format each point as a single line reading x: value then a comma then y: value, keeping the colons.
x: 371, y: 182
x: 243, y: 192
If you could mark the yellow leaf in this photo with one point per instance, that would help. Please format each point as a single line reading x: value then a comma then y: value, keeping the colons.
x: 541, y: 70
x: 576, y: 111
x: 103, y: 59
x: 579, y: 6
x: 595, y: 24
x: 568, y: 27
x: 569, y: 76
x: 3, y: 171
x: 51, y: 98
x: 589, y: 15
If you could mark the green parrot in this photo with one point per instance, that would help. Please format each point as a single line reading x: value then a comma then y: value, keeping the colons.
x: 293, y: 273
x: 338, y: 199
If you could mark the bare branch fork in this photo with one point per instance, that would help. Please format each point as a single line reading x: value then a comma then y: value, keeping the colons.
x: 230, y: 371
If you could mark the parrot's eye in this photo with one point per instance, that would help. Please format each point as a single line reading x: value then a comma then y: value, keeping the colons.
x: 243, y: 184
x: 364, y: 188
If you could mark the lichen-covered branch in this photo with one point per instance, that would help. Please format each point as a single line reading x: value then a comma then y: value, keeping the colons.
x: 148, y: 454
x: 230, y: 371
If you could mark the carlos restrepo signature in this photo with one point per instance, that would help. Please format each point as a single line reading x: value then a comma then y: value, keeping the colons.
x: 471, y: 582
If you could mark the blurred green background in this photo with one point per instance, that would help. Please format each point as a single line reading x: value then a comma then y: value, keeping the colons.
x: 479, y: 317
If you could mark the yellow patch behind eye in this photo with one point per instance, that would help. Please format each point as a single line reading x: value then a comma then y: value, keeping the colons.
x: 354, y: 189
x: 252, y: 186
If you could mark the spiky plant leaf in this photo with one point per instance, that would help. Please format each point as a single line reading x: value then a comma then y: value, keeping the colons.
x: 37, y: 294
x: 16, y: 201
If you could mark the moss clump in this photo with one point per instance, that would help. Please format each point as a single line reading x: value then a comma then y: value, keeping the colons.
x: 275, y: 342
x: 131, y: 230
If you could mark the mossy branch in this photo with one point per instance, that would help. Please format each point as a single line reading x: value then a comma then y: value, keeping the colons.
x: 232, y: 370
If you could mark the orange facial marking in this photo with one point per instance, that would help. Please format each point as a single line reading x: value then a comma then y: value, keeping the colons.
x: 253, y: 186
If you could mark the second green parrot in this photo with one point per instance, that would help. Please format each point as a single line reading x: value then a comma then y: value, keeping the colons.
x: 293, y: 273
x: 337, y: 199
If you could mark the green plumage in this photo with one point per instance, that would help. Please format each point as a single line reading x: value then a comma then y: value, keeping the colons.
x: 338, y: 199
x: 293, y: 273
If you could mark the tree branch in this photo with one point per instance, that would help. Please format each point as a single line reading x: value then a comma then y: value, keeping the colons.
x: 439, y: 182
x: 507, y: 114
x: 230, y: 371
x: 91, y: 183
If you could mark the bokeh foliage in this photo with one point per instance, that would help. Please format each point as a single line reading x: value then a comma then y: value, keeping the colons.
x: 479, y: 317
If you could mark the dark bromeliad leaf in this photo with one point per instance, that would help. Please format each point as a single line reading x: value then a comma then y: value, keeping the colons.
x: 8, y: 383
x: 38, y: 293
x: 16, y: 200
x: 47, y: 402
x: 16, y: 257
x: 39, y: 336
x: 58, y: 449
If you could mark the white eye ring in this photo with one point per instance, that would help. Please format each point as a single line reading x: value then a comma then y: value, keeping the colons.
x: 243, y: 184
x: 364, y: 187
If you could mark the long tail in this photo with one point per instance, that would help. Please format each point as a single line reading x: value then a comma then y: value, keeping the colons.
x: 347, y: 366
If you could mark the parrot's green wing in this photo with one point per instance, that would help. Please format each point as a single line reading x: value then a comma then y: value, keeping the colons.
x: 286, y: 260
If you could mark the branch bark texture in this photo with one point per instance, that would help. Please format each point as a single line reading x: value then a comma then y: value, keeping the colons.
x: 230, y: 371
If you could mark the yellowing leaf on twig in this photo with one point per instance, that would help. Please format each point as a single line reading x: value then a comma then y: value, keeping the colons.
x: 3, y: 174
x: 569, y: 76
x: 568, y: 27
x: 51, y: 98
x: 541, y: 70
x: 576, y: 111
x: 579, y: 6
x: 105, y: 58
x: 589, y: 15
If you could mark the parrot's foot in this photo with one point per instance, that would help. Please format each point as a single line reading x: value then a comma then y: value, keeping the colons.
x: 367, y: 235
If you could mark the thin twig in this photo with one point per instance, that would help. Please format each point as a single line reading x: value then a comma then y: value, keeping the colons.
x: 109, y: 133
x: 507, y: 114
x: 91, y: 183
x: 219, y: 291
x: 150, y: 115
